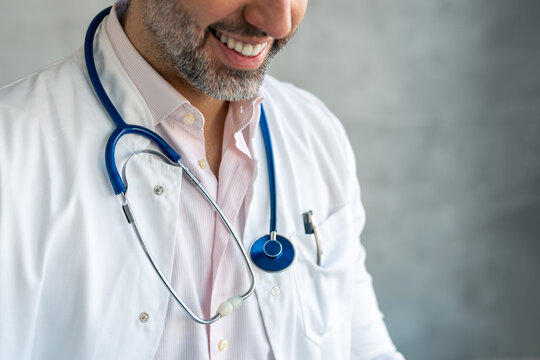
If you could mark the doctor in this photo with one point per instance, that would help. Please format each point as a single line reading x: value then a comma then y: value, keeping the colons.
x: 74, y: 280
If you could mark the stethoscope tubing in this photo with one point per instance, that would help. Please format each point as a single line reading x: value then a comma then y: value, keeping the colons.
x: 229, y: 226
x: 191, y: 314
x: 270, y: 166
x: 133, y: 222
x: 122, y: 128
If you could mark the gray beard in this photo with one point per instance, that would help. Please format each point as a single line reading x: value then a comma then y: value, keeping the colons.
x: 181, y: 42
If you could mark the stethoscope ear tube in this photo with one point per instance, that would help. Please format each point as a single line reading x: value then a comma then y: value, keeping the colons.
x: 227, y: 306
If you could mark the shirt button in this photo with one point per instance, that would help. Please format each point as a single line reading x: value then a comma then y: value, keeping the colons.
x: 144, y: 317
x: 275, y: 291
x: 203, y: 164
x: 189, y: 119
x: 223, y: 345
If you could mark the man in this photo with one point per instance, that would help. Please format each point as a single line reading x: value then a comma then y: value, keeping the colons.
x: 76, y: 284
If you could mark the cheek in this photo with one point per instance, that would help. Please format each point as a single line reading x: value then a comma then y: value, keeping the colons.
x: 298, y: 10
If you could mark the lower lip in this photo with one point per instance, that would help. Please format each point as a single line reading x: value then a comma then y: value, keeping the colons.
x: 238, y: 61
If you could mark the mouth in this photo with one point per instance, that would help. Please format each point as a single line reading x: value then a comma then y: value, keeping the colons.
x: 242, y: 48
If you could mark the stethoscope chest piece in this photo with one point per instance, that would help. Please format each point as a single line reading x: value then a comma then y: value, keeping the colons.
x: 272, y: 253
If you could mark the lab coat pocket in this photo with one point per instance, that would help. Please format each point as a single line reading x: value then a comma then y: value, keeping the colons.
x: 325, y: 290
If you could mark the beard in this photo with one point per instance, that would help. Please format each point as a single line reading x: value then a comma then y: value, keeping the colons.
x: 181, y: 43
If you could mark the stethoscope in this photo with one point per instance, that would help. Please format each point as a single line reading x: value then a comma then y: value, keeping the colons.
x: 271, y: 252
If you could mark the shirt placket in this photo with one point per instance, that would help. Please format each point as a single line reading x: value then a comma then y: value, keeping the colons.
x: 229, y: 269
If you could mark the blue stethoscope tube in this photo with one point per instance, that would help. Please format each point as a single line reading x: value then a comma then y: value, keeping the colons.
x: 122, y: 128
x: 271, y: 252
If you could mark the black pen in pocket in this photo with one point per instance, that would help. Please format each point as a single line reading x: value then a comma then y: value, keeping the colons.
x: 311, y: 228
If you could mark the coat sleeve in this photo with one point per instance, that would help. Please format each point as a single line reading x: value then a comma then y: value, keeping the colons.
x: 369, y: 339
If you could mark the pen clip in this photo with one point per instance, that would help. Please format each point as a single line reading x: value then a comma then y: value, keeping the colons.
x: 311, y: 228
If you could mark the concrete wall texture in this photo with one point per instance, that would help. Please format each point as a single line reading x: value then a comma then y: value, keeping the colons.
x: 440, y: 99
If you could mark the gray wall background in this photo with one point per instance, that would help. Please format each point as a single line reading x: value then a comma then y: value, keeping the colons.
x: 441, y: 102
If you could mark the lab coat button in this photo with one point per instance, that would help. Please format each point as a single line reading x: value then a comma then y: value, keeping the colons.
x: 144, y: 317
x: 275, y: 291
x: 158, y: 190
x: 189, y: 119
x: 223, y: 345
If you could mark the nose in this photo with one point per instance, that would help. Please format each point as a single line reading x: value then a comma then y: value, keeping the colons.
x: 274, y: 17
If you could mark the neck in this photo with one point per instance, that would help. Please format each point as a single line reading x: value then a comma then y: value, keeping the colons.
x: 213, y: 110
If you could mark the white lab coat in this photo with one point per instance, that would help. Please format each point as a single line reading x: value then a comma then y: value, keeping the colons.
x: 73, y: 279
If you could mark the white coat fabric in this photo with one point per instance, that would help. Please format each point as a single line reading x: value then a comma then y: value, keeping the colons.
x: 73, y: 279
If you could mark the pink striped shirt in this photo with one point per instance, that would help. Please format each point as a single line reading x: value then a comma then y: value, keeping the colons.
x: 208, y: 266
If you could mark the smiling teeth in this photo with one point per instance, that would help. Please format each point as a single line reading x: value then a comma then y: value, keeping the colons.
x: 247, y: 50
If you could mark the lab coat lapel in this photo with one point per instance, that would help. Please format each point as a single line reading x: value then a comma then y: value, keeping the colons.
x: 257, y: 224
x: 156, y: 211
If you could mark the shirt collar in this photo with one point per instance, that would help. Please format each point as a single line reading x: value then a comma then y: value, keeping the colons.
x: 161, y: 98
